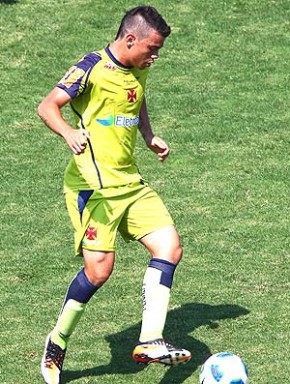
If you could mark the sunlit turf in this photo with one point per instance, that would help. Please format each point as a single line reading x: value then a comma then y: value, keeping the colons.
x: 219, y: 95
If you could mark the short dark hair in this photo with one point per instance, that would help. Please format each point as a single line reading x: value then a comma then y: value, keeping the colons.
x: 142, y: 19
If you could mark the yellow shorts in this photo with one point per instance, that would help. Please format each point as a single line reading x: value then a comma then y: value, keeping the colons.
x: 97, y: 215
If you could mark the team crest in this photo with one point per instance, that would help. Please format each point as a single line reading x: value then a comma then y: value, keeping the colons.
x: 91, y: 233
x: 132, y: 95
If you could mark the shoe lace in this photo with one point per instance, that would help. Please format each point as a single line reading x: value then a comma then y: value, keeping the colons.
x: 54, y: 355
x: 157, y: 342
x: 170, y: 346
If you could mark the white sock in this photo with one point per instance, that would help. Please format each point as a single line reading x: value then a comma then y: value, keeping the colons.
x: 155, y: 298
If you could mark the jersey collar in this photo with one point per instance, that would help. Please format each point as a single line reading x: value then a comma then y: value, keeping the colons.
x: 113, y: 58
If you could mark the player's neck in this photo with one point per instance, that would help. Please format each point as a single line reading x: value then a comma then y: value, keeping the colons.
x: 118, y: 50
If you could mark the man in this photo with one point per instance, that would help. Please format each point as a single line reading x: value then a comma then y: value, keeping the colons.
x: 105, y: 192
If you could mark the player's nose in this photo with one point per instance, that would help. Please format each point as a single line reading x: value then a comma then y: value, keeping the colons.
x: 154, y: 56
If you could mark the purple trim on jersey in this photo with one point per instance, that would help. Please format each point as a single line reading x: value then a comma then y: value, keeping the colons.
x: 86, y: 64
x: 113, y: 58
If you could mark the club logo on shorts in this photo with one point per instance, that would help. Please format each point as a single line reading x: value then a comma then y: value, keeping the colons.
x: 132, y: 96
x: 91, y: 233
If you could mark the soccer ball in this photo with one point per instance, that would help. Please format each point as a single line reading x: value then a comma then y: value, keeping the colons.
x: 224, y: 368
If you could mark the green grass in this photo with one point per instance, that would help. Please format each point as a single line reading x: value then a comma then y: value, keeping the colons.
x: 219, y: 95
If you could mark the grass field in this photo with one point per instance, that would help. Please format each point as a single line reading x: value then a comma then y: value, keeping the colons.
x: 220, y: 96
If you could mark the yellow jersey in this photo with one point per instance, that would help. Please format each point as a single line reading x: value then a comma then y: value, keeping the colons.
x: 106, y: 98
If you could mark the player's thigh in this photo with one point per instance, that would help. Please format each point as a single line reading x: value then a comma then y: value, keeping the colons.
x: 145, y: 215
x: 164, y: 243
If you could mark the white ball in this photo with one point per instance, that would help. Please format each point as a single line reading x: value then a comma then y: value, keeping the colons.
x: 224, y: 368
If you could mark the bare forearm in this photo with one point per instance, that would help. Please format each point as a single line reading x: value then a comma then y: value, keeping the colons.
x: 49, y: 111
x: 51, y: 115
x: 153, y: 142
x: 144, y: 124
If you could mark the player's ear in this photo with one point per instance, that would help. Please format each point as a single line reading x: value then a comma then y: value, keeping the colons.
x: 130, y: 40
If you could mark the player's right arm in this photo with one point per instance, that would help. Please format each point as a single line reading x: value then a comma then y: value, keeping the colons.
x: 49, y: 110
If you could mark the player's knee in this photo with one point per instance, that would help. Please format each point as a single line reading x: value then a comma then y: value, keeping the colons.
x: 177, y: 254
x: 101, y: 278
x: 98, y: 266
x: 96, y: 276
x: 172, y: 253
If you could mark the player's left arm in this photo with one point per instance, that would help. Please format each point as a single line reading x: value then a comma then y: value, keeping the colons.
x: 155, y: 143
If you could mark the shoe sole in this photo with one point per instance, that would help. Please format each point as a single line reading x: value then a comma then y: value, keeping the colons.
x: 168, y: 360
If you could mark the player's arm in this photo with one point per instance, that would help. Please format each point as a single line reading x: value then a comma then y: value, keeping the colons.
x: 49, y: 110
x: 153, y: 142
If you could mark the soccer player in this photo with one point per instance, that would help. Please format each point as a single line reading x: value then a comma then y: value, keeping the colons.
x: 104, y: 190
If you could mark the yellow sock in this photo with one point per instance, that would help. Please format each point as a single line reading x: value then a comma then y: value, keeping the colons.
x: 67, y: 321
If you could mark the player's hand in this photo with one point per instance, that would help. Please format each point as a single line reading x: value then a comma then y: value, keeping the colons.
x: 159, y: 147
x: 76, y: 139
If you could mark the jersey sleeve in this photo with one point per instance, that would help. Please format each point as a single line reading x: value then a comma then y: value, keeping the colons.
x: 76, y: 79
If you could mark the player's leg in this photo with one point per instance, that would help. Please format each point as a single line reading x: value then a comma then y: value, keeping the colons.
x: 95, y: 243
x: 98, y: 268
x: 148, y: 221
x: 166, y: 251
x: 164, y: 246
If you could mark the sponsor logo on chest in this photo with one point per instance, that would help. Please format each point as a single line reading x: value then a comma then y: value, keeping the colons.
x: 120, y: 121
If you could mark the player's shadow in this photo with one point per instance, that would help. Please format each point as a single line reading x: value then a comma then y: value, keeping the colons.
x: 181, y: 322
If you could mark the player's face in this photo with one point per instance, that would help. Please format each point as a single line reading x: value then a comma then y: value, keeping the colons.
x: 146, y: 50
